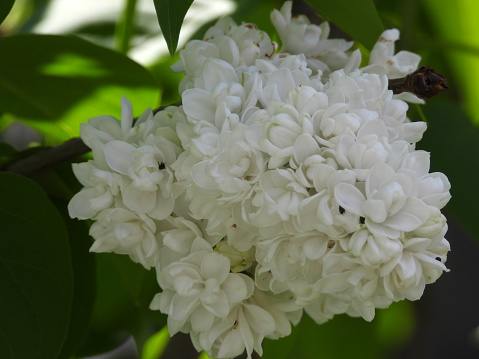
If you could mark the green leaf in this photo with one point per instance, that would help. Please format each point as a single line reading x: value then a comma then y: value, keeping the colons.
x: 454, y: 30
x: 54, y: 83
x: 341, y: 337
x: 124, y: 292
x: 5, y: 7
x: 170, y: 15
x: 358, y: 18
x: 84, y: 282
x: 7, y: 152
x: 36, y: 272
x: 156, y: 344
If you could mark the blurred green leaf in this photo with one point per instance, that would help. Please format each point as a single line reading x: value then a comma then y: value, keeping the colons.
x: 455, y: 27
x: 359, y: 18
x: 124, y: 292
x: 170, y: 15
x: 156, y: 344
x: 36, y: 272
x: 54, y: 83
x: 342, y: 337
x: 167, y: 79
x: 5, y: 7
x: 395, y: 325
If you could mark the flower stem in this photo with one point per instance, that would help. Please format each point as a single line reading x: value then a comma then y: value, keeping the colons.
x: 125, y: 26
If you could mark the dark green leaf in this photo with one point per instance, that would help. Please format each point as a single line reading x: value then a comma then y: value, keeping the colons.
x: 56, y: 82
x: 36, y: 272
x: 124, y: 292
x: 5, y: 7
x: 114, y: 306
x: 84, y: 282
x: 358, y: 18
x: 147, y: 322
x: 170, y: 15
x: 6, y: 153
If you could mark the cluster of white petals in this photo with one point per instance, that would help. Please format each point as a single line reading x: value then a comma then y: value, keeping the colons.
x: 287, y: 181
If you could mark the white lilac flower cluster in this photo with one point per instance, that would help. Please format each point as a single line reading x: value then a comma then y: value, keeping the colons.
x: 286, y: 181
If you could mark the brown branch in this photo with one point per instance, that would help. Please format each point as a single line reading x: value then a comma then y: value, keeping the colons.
x: 48, y: 157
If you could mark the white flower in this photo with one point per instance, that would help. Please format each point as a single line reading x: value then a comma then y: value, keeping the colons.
x: 350, y: 281
x: 284, y: 182
x: 278, y: 134
x: 104, y: 129
x: 100, y: 189
x: 420, y: 264
x: 383, y: 60
x: 388, y: 204
x: 372, y: 250
x: 325, y: 308
x: 251, y: 43
x: 275, y: 200
x: 178, y: 238
x: 124, y: 232
x: 277, y: 81
x: 282, y: 308
x: 299, y: 36
x: 239, y: 261
x: 230, y: 174
x: 369, y: 147
x: 199, y: 288
x: 244, y: 328
x: 239, y: 46
x: 322, y: 211
x: 148, y: 187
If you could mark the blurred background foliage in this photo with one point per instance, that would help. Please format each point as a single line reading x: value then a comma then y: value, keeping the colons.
x: 64, y: 61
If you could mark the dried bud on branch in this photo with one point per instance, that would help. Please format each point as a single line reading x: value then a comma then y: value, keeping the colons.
x: 425, y: 83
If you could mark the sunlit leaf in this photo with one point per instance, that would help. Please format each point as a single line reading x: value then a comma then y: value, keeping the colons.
x: 455, y: 29
x: 56, y: 82
x: 5, y: 7
x: 156, y: 344
x: 36, y: 272
x: 358, y: 18
x: 170, y: 15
